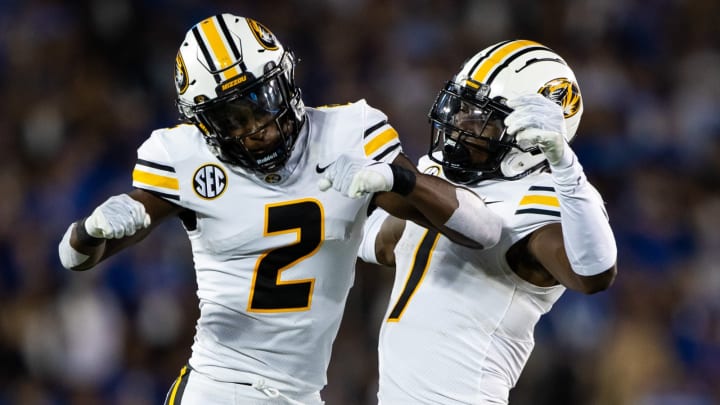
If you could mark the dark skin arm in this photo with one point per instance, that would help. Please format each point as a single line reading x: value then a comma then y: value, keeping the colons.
x: 539, y: 258
x: 389, y: 235
x: 430, y: 204
x: 156, y: 207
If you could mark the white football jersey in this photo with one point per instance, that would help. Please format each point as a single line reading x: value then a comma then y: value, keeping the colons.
x: 459, y: 325
x: 274, y: 256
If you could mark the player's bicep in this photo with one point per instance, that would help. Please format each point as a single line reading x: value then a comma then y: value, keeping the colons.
x: 390, y: 233
x: 546, y: 245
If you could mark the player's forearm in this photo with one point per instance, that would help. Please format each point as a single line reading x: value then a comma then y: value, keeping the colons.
x: 78, y: 250
x: 458, y: 213
x: 588, y: 238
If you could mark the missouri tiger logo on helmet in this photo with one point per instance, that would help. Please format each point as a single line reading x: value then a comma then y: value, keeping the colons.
x: 479, y: 91
x: 181, y: 76
x: 564, y: 93
x: 263, y: 35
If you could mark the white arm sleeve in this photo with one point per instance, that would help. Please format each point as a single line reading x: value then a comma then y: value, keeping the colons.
x: 589, y: 240
x: 474, y: 220
x: 366, y: 252
x: 69, y: 257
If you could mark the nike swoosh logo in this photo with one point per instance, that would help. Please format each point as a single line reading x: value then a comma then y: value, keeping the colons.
x: 491, y: 202
x: 320, y: 169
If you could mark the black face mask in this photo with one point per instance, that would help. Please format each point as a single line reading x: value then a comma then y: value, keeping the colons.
x: 268, y: 104
x: 465, y: 123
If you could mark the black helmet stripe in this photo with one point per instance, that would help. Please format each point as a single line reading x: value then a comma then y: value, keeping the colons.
x: 514, y: 56
x: 237, y: 53
x: 493, y: 58
x: 206, y: 53
x: 490, y: 52
x: 228, y: 37
x: 218, y: 46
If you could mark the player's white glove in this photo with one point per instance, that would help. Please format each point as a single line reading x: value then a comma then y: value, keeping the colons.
x: 538, y: 121
x: 356, y: 177
x: 116, y: 218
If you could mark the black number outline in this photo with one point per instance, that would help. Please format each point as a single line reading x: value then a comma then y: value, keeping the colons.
x: 268, y: 294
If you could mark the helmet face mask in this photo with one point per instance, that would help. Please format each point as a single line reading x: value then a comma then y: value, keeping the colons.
x: 235, y: 83
x: 468, y: 130
x: 468, y: 135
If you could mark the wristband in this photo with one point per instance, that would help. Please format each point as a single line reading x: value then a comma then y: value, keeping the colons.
x: 84, y: 237
x: 403, y: 180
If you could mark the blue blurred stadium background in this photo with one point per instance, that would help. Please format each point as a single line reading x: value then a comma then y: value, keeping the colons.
x: 84, y: 82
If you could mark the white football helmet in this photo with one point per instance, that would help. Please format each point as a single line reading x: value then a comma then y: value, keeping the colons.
x: 233, y: 79
x: 473, y: 104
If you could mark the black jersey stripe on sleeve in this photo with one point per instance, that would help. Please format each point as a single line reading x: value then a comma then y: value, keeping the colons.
x: 374, y: 128
x: 541, y: 188
x: 154, y: 165
x: 538, y: 211
x: 384, y: 153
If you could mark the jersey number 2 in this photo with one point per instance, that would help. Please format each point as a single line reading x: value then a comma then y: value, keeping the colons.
x: 268, y: 292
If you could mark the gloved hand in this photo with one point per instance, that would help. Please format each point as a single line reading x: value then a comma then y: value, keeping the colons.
x: 357, y: 177
x: 538, y: 121
x: 116, y: 218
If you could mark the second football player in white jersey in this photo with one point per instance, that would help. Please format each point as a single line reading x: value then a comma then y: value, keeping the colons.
x: 274, y: 249
x: 459, y: 325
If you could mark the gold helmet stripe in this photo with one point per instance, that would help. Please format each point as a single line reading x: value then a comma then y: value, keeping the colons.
x: 218, y: 48
x: 495, y: 58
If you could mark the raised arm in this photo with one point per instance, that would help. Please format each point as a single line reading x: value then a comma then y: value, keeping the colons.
x: 580, y: 252
x: 380, y: 235
x: 430, y: 201
x: 121, y: 221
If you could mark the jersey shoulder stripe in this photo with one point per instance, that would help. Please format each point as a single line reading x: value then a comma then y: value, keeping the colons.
x: 154, y: 171
x: 540, y: 200
x: 157, y: 178
x: 379, y: 140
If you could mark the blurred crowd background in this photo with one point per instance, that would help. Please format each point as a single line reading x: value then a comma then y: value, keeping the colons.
x: 82, y: 84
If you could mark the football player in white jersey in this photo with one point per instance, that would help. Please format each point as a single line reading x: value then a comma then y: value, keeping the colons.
x: 274, y: 248
x: 459, y: 325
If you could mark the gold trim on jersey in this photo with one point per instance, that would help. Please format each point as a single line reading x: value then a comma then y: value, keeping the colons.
x: 155, y: 180
x: 176, y: 385
x: 540, y: 200
x: 384, y: 138
x: 495, y: 58
x: 218, y: 48
x: 416, y: 266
